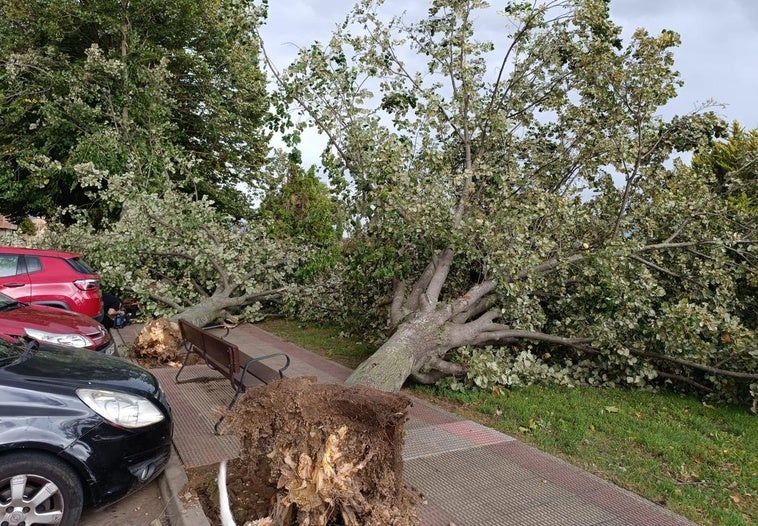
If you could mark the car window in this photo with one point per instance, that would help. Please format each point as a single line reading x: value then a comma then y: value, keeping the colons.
x: 8, y: 265
x: 33, y: 264
x: 6, y: 300
x: 80, y: 266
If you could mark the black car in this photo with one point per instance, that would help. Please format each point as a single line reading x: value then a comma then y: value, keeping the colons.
x: 77, y: 429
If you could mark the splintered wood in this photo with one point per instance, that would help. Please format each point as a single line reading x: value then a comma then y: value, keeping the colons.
x: 330, y: 454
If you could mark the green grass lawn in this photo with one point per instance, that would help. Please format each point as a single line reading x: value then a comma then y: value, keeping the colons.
x: 698, y: 460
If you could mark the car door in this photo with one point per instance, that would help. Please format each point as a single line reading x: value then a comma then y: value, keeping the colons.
x: 14, y: 279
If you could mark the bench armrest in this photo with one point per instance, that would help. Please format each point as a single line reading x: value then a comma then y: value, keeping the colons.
x: 261, y: 358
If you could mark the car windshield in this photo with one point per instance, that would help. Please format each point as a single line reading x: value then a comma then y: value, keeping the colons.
x: 6, y: 302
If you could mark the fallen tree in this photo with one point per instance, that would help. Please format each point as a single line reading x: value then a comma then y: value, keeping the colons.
x: 526, y: 203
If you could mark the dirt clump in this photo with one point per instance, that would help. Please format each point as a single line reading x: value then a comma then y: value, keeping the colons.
x: 318, y: 454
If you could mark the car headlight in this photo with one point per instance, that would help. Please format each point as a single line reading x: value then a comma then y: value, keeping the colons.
x: 121, y: 409
x: 69, y: 340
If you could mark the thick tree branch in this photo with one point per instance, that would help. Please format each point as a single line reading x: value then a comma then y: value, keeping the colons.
x: 396, y: 308
x: 449, y: 368
x: 257, y: 296
x: 166, y: 301
x: 419, y: 288
x: 441, y: 271
x: 475, y: 309
x: 471, y: 298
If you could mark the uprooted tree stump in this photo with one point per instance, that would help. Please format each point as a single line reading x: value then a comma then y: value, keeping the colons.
x: 329, y: 454
x: 158, y: 340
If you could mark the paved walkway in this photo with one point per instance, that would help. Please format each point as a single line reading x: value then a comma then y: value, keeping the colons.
x: 468, y: 474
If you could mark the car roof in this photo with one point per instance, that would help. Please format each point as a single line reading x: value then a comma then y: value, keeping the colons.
x: 38, y: 252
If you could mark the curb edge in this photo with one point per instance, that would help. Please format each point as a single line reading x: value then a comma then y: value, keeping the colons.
x: 171, y: 484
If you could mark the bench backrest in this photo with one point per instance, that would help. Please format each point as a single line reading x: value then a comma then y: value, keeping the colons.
x: 218, y: 353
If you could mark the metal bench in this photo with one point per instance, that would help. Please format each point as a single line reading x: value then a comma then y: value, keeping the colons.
x: 241, y: 370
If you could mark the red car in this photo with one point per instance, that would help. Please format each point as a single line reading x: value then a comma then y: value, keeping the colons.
x: 50, y: 277
x: 52, y: 325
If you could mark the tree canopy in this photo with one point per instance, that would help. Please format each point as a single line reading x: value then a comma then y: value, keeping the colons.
x: 126, y: 96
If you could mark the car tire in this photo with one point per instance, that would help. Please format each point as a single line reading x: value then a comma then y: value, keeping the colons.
x: 34, y: 475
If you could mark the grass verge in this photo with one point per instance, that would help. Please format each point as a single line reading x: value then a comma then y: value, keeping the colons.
x: 699, y: 460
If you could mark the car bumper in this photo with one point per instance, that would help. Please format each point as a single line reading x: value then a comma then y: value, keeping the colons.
x: 109, y: 348
x: 120, y: 461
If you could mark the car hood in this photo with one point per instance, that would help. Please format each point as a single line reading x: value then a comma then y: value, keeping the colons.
x: 48, y: 319
x: 64, y: 369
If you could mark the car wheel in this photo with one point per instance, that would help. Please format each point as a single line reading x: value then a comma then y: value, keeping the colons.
x: 38, y: 489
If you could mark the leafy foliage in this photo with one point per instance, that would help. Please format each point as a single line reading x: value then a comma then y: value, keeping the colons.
x: 300, y: 207
x: 182, y: 257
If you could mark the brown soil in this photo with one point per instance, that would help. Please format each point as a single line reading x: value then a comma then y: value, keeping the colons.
x: 319, y: 454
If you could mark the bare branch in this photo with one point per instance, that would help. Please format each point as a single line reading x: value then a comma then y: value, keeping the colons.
x: 678, y: 231
x: 446, y: 367
x: 698, y: 366
x: 509, y: 334
x: 257, y: 296
x: 686, y: 380
x: 690, y: 244
x: 223, y: 276
x: 549, y: 265
x: 475, y: 309
x: 166, y: 301
x: 414, y: 300
x: 472, y: 297
x: 656, y: 267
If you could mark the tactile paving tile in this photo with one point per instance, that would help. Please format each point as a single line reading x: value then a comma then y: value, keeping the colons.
x: 423, y: 413
x: 625, y: 506
x: 475, y: 433
x: 433, y: 440
x: 474, y: 488
x: 431, y: 515
x: 196, y: 406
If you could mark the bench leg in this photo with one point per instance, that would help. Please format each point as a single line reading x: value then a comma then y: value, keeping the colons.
x: 228, y: 408
x: 186, y: 357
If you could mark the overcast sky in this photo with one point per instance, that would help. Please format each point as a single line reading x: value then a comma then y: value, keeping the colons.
x: 717, y: 58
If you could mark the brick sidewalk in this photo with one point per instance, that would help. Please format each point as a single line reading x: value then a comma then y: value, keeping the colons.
x: 468, y: 474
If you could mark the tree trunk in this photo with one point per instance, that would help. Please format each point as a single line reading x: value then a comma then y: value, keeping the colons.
x: 214, y: 307
x: 205, y: 312
x: 410, y: 348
